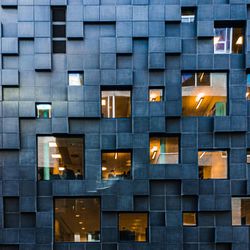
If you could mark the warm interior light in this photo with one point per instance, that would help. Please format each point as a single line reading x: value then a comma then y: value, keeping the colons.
x: 103, y: 102
x: 116, y: 155
x: 239, y: 40
x: 77, y: 215
x: 61, y: 168
x: 199, y: 103
x: 247, y: 94
x: 80, y: 222
x: 154, y: 148
x: 83, y: 228
x: 52, y: 144
x: 56, y: 156
x: 154, y: 154
x: 199, y: 96
x: 202, y: 154
x: 104, y: 168
x: 216, y: 39
x: 202, y: 75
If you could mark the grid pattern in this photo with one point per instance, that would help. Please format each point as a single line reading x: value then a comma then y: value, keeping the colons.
x: 137, y: 44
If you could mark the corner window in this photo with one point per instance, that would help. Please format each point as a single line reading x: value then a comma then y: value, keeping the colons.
x: 116, y: 104
x: 59, y: 29
x: 77, y: 220
x: 75, y: 78
x: 116, y: 165
x: 204, y: 94
x: 43, y: 110
x: 212, y: 165
x: 156, y: 94
x: 189, y: 219
x: 241, y: 211
x: 228, y: 40
x: 187, y: 15
x: 248, y: 88
x: 60, y: 158
x: 133, y: 227
x: 164, y: 150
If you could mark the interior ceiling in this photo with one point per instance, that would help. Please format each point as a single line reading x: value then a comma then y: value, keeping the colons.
x: 123, y: 160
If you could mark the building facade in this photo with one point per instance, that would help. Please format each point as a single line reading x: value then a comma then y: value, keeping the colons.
x: 124, y: 124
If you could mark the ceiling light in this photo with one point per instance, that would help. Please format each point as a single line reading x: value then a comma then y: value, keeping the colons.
x: 83, y: 228
x: 154, y: 148
x: 247, y: 94
x: 154, y: 154
x: 239, y: 40
x: 80, y: 222
x: 56, y: 156
x: 77, y: 215
x: 202, y: 154
x: 103, y: 102
x: 199, y: 96
x: 116, y: 155
x: 202, y: 75
x: 199, y: 103
x: 104, y: 168
x: 61, y: 168
x: 52, y: 144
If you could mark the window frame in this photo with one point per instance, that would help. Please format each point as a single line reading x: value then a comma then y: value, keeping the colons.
x: 77, y: 197
x: 82, y: 136
x: 147, y: 231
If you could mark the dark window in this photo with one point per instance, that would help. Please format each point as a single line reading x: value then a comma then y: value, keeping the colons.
x: 11, y: 212
x: 77, y: 220
x: 133, y: 227
x: 28, y: 220
x: 59, y: 30
x: 9, y: 247
x: 116, y: 165
x: 59, y: 14
x: 59, y: 46
x: 60, y: 158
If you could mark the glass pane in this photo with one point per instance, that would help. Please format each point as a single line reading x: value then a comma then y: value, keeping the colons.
x: 188, y: 79
x: 43, y: 110
x: 59, y: 14
x: 59, y: 46
x: 60, y: 158
x: 187, y: 15
x: 189, y: 219
x: 133, y: 227
x: 164, y: 150
x: 75, y: 79
x: 116, y: 104
x: 238, y: 40
x: 77, y: 220
x: 209, y: 98
x: 59, y: 30
x: 240, y: 211
x: 212, y: 165
x: 155, y: 95
x: 116, y: 165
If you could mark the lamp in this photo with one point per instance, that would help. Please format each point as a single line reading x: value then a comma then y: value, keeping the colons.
x: 56, y: 156
x: 199, y: 103
x: 239, y: 40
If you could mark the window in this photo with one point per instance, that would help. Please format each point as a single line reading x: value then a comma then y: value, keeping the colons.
x: 60, y: 158
x: 43, y: 110
x: 133, y: 227
x: 75, y: 78
x: 189, y: 219
x: 116, y: 104
x: 228, y: 40
x: 204, y: 94
x: 248, y: 156
x: 240, y: 211
x: 212, y: 165
x: 59, y: 29
x: 248, y: 87
x: 116, y: 165
x: 164, y: 150
x: 11, y: 212
x: 187, y: 15
x: 77, y: 220
x: 155, y: 94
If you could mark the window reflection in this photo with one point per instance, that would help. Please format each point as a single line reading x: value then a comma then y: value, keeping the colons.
x: 60, y: 158
x: 75, y: 78
x: 43, y: 110
x: 164, y: 150
x: 116, y: 104
x: 155, y: 95
x: 204, y: 94
x: 189, y: 219
x: 240, y: 211
x: 133, y: 227
x: 116, y: 165
x: 77, y: 220
x: 228, y: 40
x: 212, y: 165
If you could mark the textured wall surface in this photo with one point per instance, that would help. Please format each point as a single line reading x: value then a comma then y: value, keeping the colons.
x: 136, y: 43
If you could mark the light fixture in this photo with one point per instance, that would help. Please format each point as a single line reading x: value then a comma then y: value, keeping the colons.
x: 80, y: 222
x: 103, y: 102
x: 199, y: 96
x: 202, y: 75
x: 52, y: 144
x: 61, y: 168
x: 239, y: 40
x: 56, y: 156
x: 199, y: 103
x: 247, y: 94
x: 116, y: 155
x: 216, y: 39
x: 154, y: 154
x: 83, y: 228
x: 202, y: 154
x: 77, y: 215
x: 104, y: 168
x: 154, y: 148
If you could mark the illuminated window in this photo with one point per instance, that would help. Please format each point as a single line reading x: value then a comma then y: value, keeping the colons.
x: 189, y: 219
x: 228, y: 40
x: 77, y: 220
x: 212, y: 165
x: 240, y: 211
x: 156, y: 95
x: 187, y: 15
x: 116, y: 165
x: 248, y: 156
x: 133, y: 227
x: 60, y: 158
x: 248, y: 87
x: 116, y: 104
x: 204, y: 94
x: 43, y: 110
x: 75, y: 78
x: 164, y: 150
